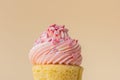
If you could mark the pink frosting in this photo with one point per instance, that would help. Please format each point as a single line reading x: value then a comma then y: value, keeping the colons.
x: 54, y: 46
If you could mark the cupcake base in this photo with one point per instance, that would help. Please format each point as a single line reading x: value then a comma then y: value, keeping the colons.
x: 57, y: 72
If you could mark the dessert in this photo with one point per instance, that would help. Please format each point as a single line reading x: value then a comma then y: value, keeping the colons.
x: 56, y: 56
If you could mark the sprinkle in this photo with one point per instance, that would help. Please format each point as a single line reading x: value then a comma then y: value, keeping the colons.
x: 53, y: 25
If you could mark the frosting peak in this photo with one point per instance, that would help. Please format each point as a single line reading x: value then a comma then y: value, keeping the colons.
x: 53, y: 34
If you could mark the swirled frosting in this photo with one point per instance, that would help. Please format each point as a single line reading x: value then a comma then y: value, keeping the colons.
x: 54, y: 46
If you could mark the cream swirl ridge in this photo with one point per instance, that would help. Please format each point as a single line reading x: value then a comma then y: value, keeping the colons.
x: 54, y: 46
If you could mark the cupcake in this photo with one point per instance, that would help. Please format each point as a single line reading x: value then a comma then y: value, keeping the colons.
x: 56, y: 56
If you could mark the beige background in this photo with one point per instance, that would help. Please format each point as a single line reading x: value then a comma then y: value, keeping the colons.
x: 96, y: 23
